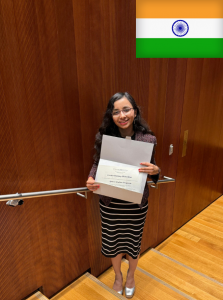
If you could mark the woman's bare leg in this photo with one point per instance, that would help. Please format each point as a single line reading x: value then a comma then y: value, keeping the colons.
x: 130, y: 282
x: 116, y: 262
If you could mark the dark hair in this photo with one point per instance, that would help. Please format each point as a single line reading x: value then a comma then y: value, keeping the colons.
x: 108, y: 126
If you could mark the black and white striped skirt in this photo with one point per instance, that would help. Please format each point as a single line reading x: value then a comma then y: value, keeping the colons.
x: 122, y: 226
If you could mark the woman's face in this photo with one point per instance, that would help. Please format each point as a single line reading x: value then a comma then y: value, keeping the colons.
x: 123, y: 119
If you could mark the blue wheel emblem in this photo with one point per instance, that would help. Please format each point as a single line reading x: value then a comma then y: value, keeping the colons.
x: 180, y: 28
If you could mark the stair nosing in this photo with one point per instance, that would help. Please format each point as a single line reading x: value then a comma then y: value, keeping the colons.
x: 187, y: 267
x: 162, y: 282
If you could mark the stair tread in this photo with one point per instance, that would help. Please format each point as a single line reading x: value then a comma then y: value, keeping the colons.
x: 146, y: 287
x: 199, y: 242
x: 186, y: 280
x: 87, y: 287
x: 38, y: 296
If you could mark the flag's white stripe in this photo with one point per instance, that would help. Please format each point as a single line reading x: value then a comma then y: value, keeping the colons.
x: 162, y: 28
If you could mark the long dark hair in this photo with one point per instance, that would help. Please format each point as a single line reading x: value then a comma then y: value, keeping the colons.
x: 108, y: 126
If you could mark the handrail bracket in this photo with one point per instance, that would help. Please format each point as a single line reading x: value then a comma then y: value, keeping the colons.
x: 81, y: 195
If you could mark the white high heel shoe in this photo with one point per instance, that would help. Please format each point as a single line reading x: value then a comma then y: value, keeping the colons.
x: 129, y: 292
x: 121, y: 292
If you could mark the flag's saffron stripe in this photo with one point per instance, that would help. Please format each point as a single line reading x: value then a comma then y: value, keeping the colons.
x: 179, y: 9
x: 188, y: 48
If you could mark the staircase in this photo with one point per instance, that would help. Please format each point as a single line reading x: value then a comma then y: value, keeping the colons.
x: 188, y: 265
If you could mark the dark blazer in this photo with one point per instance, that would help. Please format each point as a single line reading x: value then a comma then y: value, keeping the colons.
x: 139, y: 136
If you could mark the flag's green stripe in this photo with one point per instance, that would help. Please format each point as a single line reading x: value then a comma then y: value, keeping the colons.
x: 179, y: 47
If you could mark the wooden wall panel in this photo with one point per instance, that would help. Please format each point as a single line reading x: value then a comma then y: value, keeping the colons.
x: 219, y: 172
x: 45, y: 241
x: 156, y: 104
x: 171, y: 132
x: 95, y: 78
x: 199, y: 171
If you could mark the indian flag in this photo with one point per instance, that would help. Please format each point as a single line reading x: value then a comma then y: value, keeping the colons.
x: 170, y: 28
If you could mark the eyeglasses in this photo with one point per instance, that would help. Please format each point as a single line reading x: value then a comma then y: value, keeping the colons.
x: 125, y: 111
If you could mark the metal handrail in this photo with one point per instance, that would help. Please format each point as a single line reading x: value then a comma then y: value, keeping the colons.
x: 43, y: 194
x: 17, y: 197
x: 164, y: 180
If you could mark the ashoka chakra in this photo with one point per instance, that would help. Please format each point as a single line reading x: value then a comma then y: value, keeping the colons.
x: 180, y: 28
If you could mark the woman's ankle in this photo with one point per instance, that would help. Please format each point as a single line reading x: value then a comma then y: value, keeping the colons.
x: 130, y: 280
x: 130, y: 274
x: 118, y: 275
x: 117, y: 286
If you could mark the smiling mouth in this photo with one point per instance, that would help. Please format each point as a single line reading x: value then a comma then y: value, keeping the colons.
x: 123, y: 123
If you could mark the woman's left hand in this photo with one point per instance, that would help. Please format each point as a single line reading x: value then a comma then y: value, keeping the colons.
x: 149, y: 169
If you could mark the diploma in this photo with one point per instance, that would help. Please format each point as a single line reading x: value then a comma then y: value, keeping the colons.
x: 118, y: 173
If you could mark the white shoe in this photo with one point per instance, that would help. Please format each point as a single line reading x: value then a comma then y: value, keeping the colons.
x: 120, y: 292
x: 129, y: 292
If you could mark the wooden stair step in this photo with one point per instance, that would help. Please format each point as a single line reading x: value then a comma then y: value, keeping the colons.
x: 187, y: 280
x: 147, y: 286
x: 199, y: 243
x: 202, y: 256
x: 87, y: 287
x: 37, y: 296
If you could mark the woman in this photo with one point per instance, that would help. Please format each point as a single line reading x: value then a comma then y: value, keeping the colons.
x: 123, y: 221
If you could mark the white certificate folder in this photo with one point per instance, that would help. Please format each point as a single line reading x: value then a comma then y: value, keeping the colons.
x: 118, y: 173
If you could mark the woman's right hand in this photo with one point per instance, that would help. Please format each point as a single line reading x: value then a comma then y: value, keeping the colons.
x: 91, y: 185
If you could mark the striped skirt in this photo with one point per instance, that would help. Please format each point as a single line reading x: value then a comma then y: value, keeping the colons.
x: 122, y: 226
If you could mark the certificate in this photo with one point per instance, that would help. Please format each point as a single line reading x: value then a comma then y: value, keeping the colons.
x: 120, y: 176
x: 118, y: 173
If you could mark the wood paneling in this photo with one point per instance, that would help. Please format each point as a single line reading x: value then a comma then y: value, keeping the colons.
x: 171, y: 131
x: 156, y: 103
x: 198, y: 173
x: 44, y: 242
